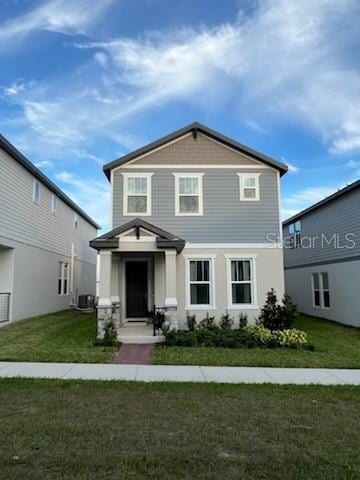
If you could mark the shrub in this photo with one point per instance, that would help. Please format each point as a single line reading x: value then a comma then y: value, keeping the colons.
x: 226, y: 321
x: 248, y: 337
x: 110, y: 336
x: 191, y: 322
x: 207, y: 321
x: 243, y: 320
x: 277, y: 317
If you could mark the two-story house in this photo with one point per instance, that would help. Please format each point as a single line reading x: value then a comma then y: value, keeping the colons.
x: 322, y: 258
x: 196, y: 223
x: 45, y: 258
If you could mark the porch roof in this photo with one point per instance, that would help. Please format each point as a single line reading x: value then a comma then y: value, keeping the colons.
x: 164, y: 239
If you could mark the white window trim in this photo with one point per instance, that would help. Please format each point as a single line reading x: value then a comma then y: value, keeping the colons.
x: 211, y: 258
x: 35, y: 200
x: 54, y: 204
x: 128, y: 175
x: 241, y: 306
x: 321, y: 290
x: 62, y: 279
x: 199, y: 176
x: 242, y: 177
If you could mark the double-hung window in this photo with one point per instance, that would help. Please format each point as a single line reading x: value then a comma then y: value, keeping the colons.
x: 137, y: 194
x: 321, y: 290
x: 294, y: 230
x: 188, y: 194
x: 63, y: 278
x: 241, y: 282
x: 200, y: 283
x: 54, y: 204
x: 36, y: 192
x: 249, y: 186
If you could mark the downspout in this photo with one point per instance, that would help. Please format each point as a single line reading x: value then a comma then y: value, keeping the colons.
x: 72, y: 273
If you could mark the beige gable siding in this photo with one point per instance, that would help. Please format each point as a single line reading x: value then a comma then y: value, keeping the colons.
x: 202, y: 151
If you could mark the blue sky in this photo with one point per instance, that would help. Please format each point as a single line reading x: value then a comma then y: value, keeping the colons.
x: 86, y: 81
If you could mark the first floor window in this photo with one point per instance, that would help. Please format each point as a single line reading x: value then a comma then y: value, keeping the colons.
x: 137, y: 194
x: 321, y: 290
x: 241, y: 279
x: 200, y: 282
x: 63, y: 279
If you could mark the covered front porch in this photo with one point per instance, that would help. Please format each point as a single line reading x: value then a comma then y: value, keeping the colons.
x: 137, y: 281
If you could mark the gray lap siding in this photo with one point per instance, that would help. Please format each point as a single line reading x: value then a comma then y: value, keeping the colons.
x: 226, y: 219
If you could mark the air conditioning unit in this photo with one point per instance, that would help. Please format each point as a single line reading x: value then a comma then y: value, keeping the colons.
x: 86, y: 301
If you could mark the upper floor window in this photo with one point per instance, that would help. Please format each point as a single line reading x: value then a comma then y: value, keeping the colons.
x: 137, y: 193
x: 295, y: 234
x: 36, y: 192
x: 76, y: 221
x: 188, y: 194
x: 321, y: 290
x: 54, y: 203
x: 249, y: 186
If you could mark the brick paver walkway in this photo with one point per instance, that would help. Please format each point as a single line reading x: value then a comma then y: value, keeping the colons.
x: 134, y: 354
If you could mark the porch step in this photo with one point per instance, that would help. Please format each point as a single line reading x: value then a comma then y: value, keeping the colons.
x: 141, y: 339
x: 138, y: 334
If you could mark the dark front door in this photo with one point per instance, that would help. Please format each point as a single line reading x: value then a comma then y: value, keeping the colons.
x: 136, y: 289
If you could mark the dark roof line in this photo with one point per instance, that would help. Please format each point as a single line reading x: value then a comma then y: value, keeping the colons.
x: 164, y: 239
x: 326, y: 200
x: 196, y: 127
x: 20, y: 158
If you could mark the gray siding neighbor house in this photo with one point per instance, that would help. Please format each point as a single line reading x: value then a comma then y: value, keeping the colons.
x: 45, y: 258
x: 322, y: 261
x: 194, y: 216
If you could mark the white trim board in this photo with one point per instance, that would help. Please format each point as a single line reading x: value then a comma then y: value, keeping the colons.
x: 199, y: 166
x: 233, y: 245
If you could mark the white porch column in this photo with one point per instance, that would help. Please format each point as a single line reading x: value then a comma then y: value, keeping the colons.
x: 170, y: 288
x: 105, y: 277
x: 104, y: 308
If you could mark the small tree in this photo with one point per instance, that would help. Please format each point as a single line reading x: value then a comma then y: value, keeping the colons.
x: 270, y: 315
x: 110, y: 334
x: 277, y: 317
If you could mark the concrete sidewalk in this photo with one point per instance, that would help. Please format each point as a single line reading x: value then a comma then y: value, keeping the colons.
x: 168, y: 373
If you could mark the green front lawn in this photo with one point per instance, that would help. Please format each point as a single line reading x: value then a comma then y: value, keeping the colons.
x: 65, y: 336
x: 109, y: 430
x: 336, y: 346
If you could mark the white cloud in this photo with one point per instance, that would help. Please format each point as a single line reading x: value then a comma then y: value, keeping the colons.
x: 255, y: 126
x: 293, y: 168
x: 44, y: 164
x: 101, y: 58
x: 91, y: 195
x: 68, y: 17
x: 283, y: 62
x: 302, y: 199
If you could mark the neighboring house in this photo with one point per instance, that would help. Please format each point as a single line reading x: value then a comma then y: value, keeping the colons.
x: 191, y: 217
x: 45, y: 258
x: 322, y: 259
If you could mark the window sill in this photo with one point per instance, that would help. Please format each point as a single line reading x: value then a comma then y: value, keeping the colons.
x: 139, y: 214
x: 189, y: 214
x: 200, y: 307
x: 242, y: 306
